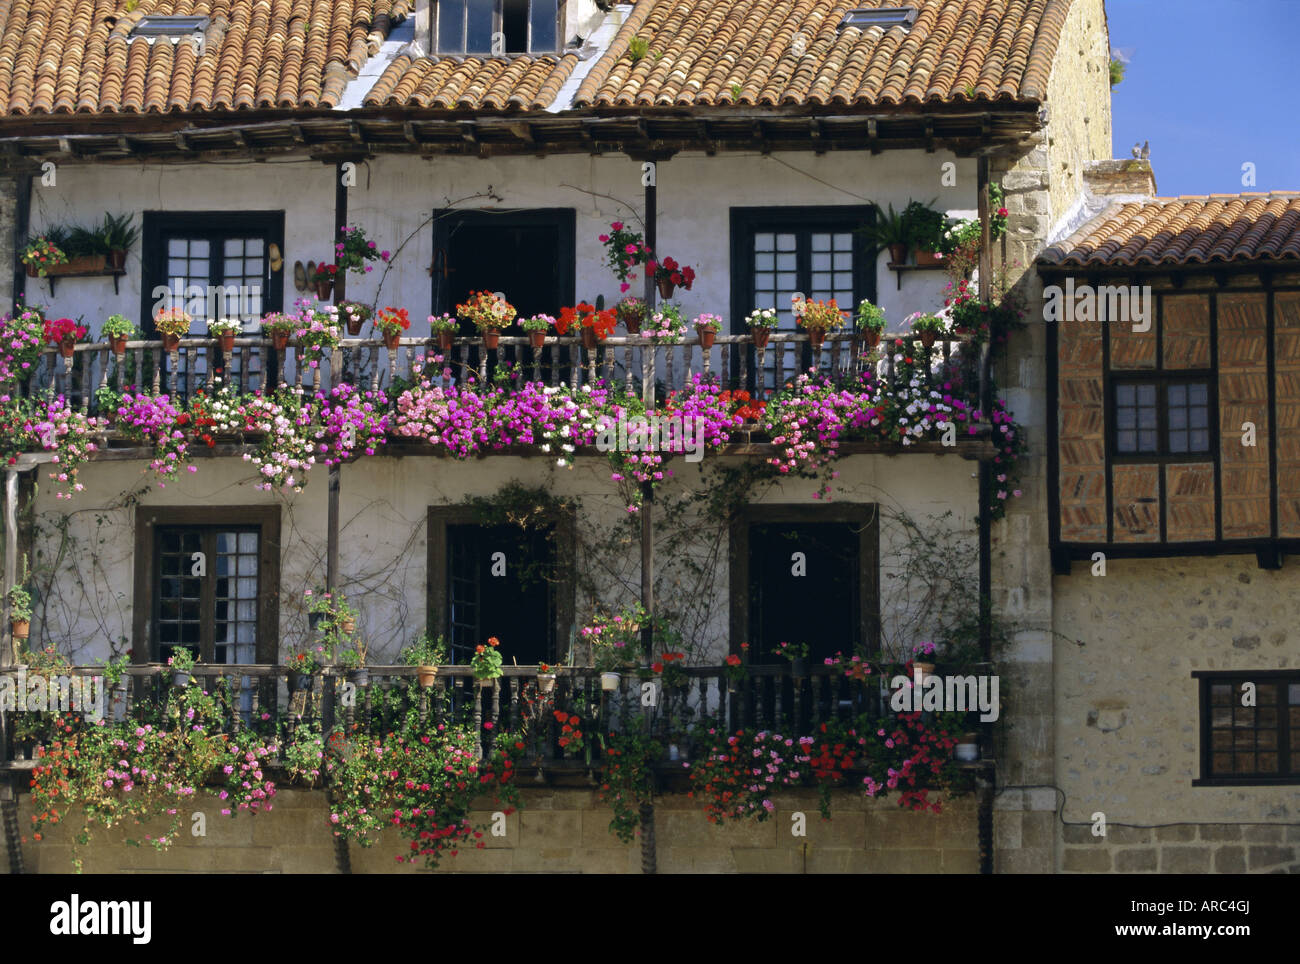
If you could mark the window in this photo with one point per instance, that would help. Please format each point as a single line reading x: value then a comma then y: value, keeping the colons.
x: 884, y: 17
x: 156, y: 25
x: 1162, y: 417
x: 497, y: 27
x: 814, y: 251
x: 805, y: 574
x: 207, y: 580
x: 506, y: 581
x: 1250, y: 737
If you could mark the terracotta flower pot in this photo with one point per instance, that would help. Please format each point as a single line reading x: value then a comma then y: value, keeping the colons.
x: 898, y: 254
x: 871, y: 337
x: 323, y: 290
x: 760, y: 336
x: 427, y: 675
x: 21, y: 628
x: 928, y: 337
x: 816, y: 336
x: 924, y: 669
x: 116, y: 259
x: 354, y: 325
x: 444, y: 340
x: 545, y: 682
x: 391, y: 341
x: 227, y: 340
x: 589, y: 338
x: 348, y: 624
x: 280, y: 340
x: 118, y: 344
x: 707, y: 336
x: 171, y: 342
x: 537, y: 339
x: 924, y: 257
x: 33, y: 271
x: 633, y: 324
x: 68, y: 347
x: 491, y: 338
x: 665, y: 288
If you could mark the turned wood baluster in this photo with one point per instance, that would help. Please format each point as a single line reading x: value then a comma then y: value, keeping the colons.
x: 778, y: 699
x: 835, y: 358
x: 669, y: 352
x: 515, y: 688
x: 157, y: 367
x: 725, y: 356
x: 649, y: 356
x: 778, y: 364
x: 627, y: 366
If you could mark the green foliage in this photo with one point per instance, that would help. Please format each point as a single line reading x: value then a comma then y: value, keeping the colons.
x: 637, y: 48
x: 1116, y: 72
x: 425, y: 651
x: 628, y: 780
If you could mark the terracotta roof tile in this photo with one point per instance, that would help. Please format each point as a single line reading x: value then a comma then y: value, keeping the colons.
x: 1185, y: 230
x: 521, y: 83
x: 779, y: 52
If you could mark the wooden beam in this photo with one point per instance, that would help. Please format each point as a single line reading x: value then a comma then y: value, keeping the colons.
x: 929, y: 135
x: 873, y: 135
x: 408, y: 131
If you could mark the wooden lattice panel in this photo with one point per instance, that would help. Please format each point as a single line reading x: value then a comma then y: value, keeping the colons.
x: 1286, y: 367
x: 1131, y: 349
x: 1243, y: 397
x: 1082, y: 424
x: 1186, y: 335
x: 1137, y: 503
x: 1189, y: 502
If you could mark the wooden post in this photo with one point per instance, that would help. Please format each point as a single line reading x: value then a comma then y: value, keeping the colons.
x: 648, y: 396
x: 335, y: 474
x: 9, y: 654
x: 986, y: 405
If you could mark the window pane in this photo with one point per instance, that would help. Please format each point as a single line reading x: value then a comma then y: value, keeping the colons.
x: 1146, y: 395
x: 1199, y: 393
x: 821, y: 242
x: 479, y: 22
x: 1126, y: 442
x: 786, y: 242
x: 1147, y: 441
x: 1178, y: 418
x: 1125, y: 394
x: 1200, y: 441
x: 544, y: 16
x: 451, y: 26
x: 1177, y: 394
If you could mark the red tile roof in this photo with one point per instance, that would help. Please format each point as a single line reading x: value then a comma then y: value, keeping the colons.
x: 525, y: 83
x: 1185, y: 230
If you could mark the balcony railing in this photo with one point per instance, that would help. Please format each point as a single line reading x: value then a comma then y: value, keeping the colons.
x: 633, y: 360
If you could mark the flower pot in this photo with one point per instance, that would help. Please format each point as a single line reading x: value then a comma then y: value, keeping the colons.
x: 798, y: 666
x: 323, y: 290
x: 897, y: 254
x: 359, y: 676
x: 391, y: 341
x: 21, y: 628
x: 930, y: 258
x: 444, y: 340
x: 666, y: 288
x: 966, y: 752
x: 33, y: 271
x: 491, y: 338
x: 227, y: 341
x: 299, y: 682
x: 707, y: 335
x: 355, y: 325
x: 171, y: 342
x: 348, y: 624
x: 922, y: 669
x: 537, y: 339
x: 280, y: 340
x: 68, y: 347
x: 760, y: 336
x: 487, y: 683
x: 180, y: 678
x: 117, y: 259
x: 927, y: 338
x: 816, y: 336
x: 589, y: 338
x: 609, y: 682
x: 545, y: 682
x: 633, y: 323
x: 871, y: 337
x: 427, y: 674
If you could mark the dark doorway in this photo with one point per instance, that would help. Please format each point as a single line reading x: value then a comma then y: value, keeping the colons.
x: 821, y: 606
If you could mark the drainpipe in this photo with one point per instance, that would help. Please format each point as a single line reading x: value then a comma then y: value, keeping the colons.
x: 647, y: 813
x: 9, y: 654
x: 332, y: 510
x: 22, y: 220
x: 985, y: 782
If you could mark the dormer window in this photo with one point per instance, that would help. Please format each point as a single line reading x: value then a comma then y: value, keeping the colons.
x: 155, y: 25
x: 499, y: 28
x: 883, y: 17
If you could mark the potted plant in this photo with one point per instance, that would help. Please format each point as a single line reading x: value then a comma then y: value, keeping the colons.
x: 278, y: 327
x: 761, y: 321
x: 545, y: 678
x: 354, y: 315
x: 353, y: 661
x: 444, y: 328
x: 594, y: 324
x: 181, y: 662
x: 173, y: 323
x: 486, y: 662
x: 323, y: 280
x: 354, y: 251
x: 797, y: 654
x: 871, y: 322
x: 303, y: 662
x: 890, y: 231
x: 923, y: 659
x: 817, y: 318
x: 426, y: 654
x: 734, y: 666
x: 390, y: 323
x: 624, y: 250
x: 968, y: 750
x: 925, y: 228
x: 666, y: 325
x: 225, y: 330
x: 20, y: 611
x: 119, y: 234
x: 489, y: 313
x: 65, y: 333
x: 707, y: 327
x: 669, y: 275
x: 41, y: 253
x: 118, y: 329
x: 632, y: 312
x: 926, y: 326
x: 537, y: 326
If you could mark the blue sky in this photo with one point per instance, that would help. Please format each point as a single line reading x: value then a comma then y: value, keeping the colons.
x: 1212, y: 84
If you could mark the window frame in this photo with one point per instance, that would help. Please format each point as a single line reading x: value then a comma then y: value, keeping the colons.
x: 1162, y: 379
x: 498, y: 26
x: 863, y: 515
x: 564, y: 589
x: 215, y: 227
x: 745, y: 222
x: 1205, y: 680
x: 145, y: 602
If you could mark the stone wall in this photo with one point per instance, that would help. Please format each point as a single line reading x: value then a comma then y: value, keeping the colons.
x: 559, y: 831
x: 1128, y: 713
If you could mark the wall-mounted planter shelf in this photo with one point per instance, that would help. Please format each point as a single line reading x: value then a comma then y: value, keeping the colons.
x: 96, y: 267
x: 900, y: 269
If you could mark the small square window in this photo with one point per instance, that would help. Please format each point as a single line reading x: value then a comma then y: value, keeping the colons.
x: 1249, y: 744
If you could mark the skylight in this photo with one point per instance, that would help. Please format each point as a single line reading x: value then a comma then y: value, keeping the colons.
x: 883, y: 17
x: 170, y: 26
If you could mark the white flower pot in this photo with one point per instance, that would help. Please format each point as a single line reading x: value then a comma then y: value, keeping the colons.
x: 609, y: 681
x: 966, y: 752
